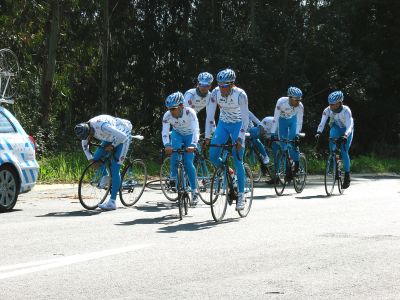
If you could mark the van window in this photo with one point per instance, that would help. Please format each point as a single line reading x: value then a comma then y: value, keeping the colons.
x: 5, y: 124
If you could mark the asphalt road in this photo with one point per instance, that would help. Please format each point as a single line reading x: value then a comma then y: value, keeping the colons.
x: 298, y: 246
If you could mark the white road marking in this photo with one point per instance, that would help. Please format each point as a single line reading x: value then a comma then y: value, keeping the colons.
x: 37, y: 266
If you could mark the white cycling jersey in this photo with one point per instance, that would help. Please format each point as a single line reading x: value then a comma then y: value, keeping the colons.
x: 194, y: 100
x: 342, y: 119
x: 184, y: 125
x: 283, y: 109
x: 233, y: 109
x: 253, y: 121
x: 267, y: 124
x: 109, y: 129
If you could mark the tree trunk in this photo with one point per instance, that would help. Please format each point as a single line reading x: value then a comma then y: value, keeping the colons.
x: 105, y: 47
x: 252, y: 18
x: 53, y: 28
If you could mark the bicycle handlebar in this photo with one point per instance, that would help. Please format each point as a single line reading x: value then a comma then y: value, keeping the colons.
x: 226, y: 146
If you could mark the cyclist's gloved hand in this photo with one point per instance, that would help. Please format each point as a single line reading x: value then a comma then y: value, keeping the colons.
x: 168, y: 150
x: 317, y: 136
x: 190, y: 149
x: 344, y: 138
x: 274, y: 137
x: 297, y: 140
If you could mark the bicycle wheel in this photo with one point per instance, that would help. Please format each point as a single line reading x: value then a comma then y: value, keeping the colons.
x: 299, y: 181
x: 9, y: 74
x: 340, y: 176
x: 186, y: 203
x: 133, y: 182
x: 181, y: 192
x: 204, y: 172
x: 254, y: 163
x: 280, y: 173
x: 248, y: 192
x: 92, y: 190
x: 330, y: 175
x: 218, y: 194
x: 167, y: 186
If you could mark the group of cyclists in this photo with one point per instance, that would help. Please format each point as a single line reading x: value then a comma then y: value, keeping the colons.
x: 234, y: 121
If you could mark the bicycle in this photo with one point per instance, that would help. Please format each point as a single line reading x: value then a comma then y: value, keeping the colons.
x: 334, y: 167
x: 95, y: 182
x: 204, y: 170
x: 224, y: 189
x: 284, y: 168
x: 254, y: 159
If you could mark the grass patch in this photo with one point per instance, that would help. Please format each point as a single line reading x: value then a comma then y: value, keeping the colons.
x: 68, y: 167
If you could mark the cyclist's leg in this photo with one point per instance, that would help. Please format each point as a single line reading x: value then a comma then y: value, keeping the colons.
x: 189, y: 166
x: 345, y: 151
x: 334, y: 133
x: 177, y: 141
x: 220, y: 136
x: 99, y: 154
x: 294, y: 151
x: 234, y: 130
x: 255, y: 136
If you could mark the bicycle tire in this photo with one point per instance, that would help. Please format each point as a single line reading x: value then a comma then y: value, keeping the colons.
x: 248, y: 192
x: 90, y: 193
x: 280, y: 173
x: 181, y: 192
x: 170, y: 192
x: 254, y: 163
x: 186, y: 203
x: 330, y: 175
x: 299, y: 182
x: 204, y: 172
x: 340, y: 177
x: 218, y: 194
x: 133, y: 182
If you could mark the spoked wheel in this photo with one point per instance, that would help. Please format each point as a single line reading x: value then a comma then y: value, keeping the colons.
x: 168, y: 186
x: 9, y: 188
x: 254, y: 164
x: 9, y: 74
x: 186, y: 203
x: 280, y: 173
x: 94, y: 185
x: 340, y: 176
x: 218, y: 194
x: 182, y: 198
x: 204, y: 172
x: 133, y: 182
x: 299, y: 181
x: 330, y: 175
x: 248, y: 192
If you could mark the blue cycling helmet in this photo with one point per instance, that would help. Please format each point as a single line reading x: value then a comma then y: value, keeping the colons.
x: 205, y: 78
x: 82, y: 131
x: 335, y: 97
x: 174, y: 100
x: 226, y: 76
x: 294, y: 92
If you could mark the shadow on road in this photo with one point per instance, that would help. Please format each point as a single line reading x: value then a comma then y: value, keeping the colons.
x: 195, y: 226
x: 77, y: 213
x: 156, y: 206
x: 313, y: 197
x: 168, y: 219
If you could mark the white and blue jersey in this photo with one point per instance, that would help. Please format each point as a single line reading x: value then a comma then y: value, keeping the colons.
x: 193, y: 100
x: 283, y: 110
x: 109, y: 129
x: 267, y: 124
x: 185, y: 125
x: 343, y: 119
x: 253, y: 121
x: 233, y: 109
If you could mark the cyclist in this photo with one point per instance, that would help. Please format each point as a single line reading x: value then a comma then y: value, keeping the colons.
x: 185, y: 131
x: 342, y: 125
x: 288, y: 118
x: 198, y: 97
x: 256, y: 134
x: 115, y: 136
x: 233, y: 122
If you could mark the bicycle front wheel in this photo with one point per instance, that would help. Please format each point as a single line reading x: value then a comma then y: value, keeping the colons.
x: 340, y: 176
x: 254, y: 164
x: 280, y: 173
x: 218, y: 194
x: 248, y: 192
x: 299, y: 181
x: 133, y: 182
x: 204, y: 172
x: 330, y: 175
x: 94, y: 185
x: 168, y: 186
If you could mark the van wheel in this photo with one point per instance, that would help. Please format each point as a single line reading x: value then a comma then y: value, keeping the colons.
x: 8, y: 188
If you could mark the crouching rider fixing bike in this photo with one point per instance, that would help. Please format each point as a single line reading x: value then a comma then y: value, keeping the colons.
x: 115, y: 136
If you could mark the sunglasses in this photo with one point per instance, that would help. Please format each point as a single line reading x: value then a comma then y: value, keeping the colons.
x: 295, y: 99
x: 173, y: 108
x: 224, y: 86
